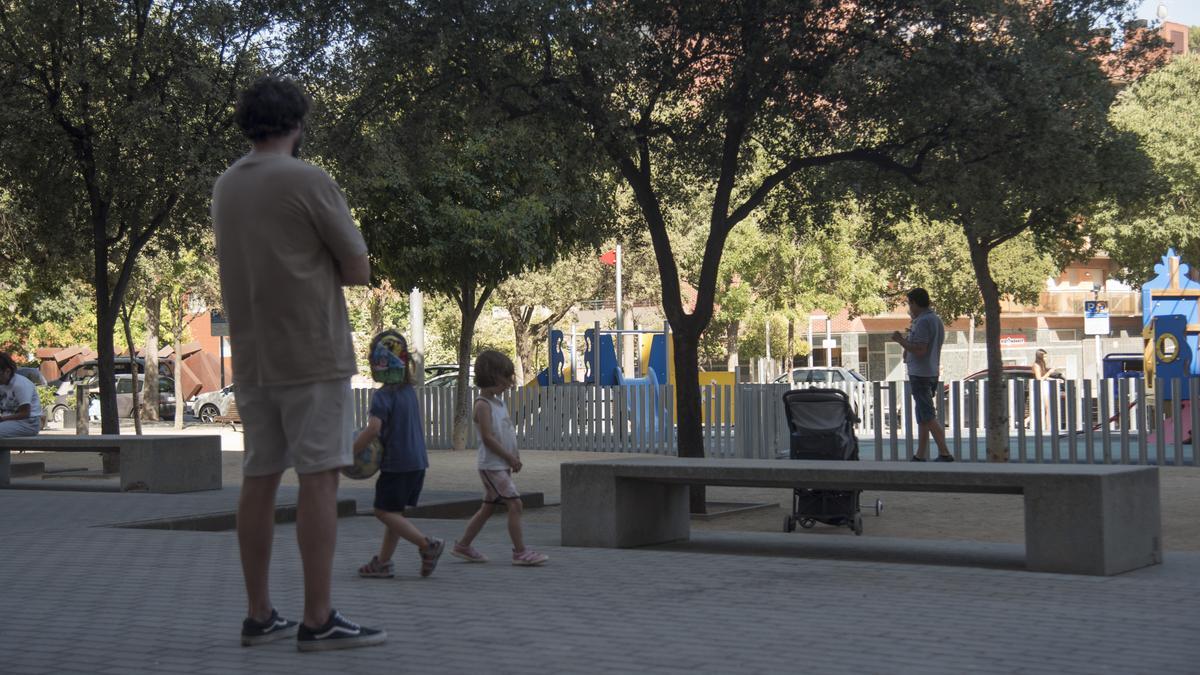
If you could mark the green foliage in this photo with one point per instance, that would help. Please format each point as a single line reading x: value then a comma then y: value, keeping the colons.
x: 114, y: 119
x: 1163, y: 110
x: 538, y: 301
x: 1194, y: 40
x: 934, y: 255
x: 444, y: 328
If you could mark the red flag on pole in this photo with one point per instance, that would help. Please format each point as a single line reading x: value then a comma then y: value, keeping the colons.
x: 609, y: 258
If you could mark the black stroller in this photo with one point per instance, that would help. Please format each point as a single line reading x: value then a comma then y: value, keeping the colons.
x: 821, y: 422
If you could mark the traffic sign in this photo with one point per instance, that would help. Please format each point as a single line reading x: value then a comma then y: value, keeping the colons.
x: 219, y: 325
x: 1095, y: 317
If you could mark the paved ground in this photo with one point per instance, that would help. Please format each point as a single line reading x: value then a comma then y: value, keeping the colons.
x: 910, y: 515
x: 83, y: 597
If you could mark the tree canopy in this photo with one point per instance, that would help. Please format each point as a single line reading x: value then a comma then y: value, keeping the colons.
x: 114, y: 119
x: 1163, y: 110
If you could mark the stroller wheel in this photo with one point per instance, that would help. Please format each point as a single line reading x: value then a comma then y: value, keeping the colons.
x: 789, y: 524
x: 857, y: 524
x: 807, y: 523
x: 878, y: 506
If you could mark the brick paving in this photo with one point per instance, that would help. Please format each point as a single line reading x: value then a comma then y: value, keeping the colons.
x: 81, y: 597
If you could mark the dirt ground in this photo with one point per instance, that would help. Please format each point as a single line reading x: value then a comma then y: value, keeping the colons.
x: 914, y: 515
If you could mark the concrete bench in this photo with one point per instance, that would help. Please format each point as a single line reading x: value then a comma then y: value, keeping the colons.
x: 1079, y: 519
x: 148, y: 463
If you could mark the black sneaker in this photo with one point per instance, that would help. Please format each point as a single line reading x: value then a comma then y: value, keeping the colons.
x: 338, y: 633
x: 274, y: 628
x: 944, y: 458
x: 914, y: 458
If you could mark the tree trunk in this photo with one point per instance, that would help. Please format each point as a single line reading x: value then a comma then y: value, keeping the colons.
x: 135, y: 408
x: 731, y: 346
x: 789, y: 361
x: 106, y: 322
x: 106, y: 372
x: 153, y: 322
x: 688, y: 420
x: 470, y: 305
x: 523, y: 338
x: 996, y: 389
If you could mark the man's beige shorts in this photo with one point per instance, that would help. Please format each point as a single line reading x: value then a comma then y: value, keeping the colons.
x: 306, y: 426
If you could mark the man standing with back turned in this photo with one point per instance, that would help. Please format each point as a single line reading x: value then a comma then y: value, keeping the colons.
x: 286, y: 244
x: 923, y: 356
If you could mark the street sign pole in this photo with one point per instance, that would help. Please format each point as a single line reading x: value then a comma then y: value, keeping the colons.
x: 1095, y: 323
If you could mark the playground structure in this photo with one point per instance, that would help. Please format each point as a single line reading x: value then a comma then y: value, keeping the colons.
x: 1170, y: 332
x: 640, y: 395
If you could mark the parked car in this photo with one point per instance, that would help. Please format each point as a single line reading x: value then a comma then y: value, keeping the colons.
x: 121, y: 366
x: 833, y: 374
x: 439, y: 369
x: 446, y: 377
x: 210, y: 405
x: 835, y: 377
x: 443, y: 380
x: 1024, y: 373
x: 33, y: 375
x: 86, y: 373
x: 166, y: 395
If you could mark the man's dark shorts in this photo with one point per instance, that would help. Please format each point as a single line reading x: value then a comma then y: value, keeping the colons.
x: 395, y: 492
x: 924, y: 390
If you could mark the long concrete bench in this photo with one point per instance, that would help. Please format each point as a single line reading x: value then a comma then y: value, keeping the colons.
x: 148, y: 463
x: 1079, y: 519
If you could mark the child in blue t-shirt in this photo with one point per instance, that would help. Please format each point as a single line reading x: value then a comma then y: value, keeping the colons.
x: 395, y: 418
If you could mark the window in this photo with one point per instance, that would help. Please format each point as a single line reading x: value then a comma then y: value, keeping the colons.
x: 124, y: 386
x: 166, y: 386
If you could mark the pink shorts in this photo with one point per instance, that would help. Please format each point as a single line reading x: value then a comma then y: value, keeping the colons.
x: 498, y: 485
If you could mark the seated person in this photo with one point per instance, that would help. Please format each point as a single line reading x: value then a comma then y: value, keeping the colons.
x: 20, y: 409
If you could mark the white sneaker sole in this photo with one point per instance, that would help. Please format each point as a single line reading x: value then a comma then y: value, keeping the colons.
x: 331, y: 644
x: 281, y: 634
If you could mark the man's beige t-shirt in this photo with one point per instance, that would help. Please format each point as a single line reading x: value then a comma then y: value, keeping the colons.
x: 282, y: 230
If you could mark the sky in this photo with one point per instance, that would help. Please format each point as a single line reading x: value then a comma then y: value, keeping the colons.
x: 1180, y: 11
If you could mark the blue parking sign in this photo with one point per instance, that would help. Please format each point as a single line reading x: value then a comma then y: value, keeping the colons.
x: 1095, y: 317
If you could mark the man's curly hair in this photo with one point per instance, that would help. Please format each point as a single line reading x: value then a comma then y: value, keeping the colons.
x: 272, y: 106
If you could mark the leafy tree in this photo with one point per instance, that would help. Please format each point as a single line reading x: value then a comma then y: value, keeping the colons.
x: 191, y: 281
x: 1028, y: 148
x: 1194, y: 40
x: 934, y: 255
x: 1163, y: 110
x: 114, y: 117
x: 537, y: 302
x: 693, y: 98
x: 455, y: 195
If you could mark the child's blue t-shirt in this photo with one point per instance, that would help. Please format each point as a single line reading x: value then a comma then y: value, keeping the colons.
x: 401, y: 435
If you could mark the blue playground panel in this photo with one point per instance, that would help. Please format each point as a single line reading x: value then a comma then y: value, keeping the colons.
x: 557, y: 361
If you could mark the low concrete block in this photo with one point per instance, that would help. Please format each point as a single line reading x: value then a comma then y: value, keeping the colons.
x: 172, y: 464
x: 1079, y: 519
x: 148, y: 463
x: 1099, y: 525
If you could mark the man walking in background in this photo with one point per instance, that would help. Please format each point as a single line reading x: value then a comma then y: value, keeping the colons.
x: 286, y: 244
x: 922, y: 357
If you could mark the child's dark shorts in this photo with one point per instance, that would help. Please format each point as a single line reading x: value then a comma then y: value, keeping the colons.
x: 395, y: 492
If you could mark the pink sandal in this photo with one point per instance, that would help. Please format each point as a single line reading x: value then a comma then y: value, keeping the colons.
x: 377, y: 570
x: 529, y: 558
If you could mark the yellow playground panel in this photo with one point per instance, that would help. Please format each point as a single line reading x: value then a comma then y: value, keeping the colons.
x: 708, y: 378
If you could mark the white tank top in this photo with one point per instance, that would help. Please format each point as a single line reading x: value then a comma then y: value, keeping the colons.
x: 503, y: 429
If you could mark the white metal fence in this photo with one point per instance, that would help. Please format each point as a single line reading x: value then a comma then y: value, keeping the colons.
x: 1052, y: 421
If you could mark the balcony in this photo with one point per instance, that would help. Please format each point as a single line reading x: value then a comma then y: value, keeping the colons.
x: 1070, y: 303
